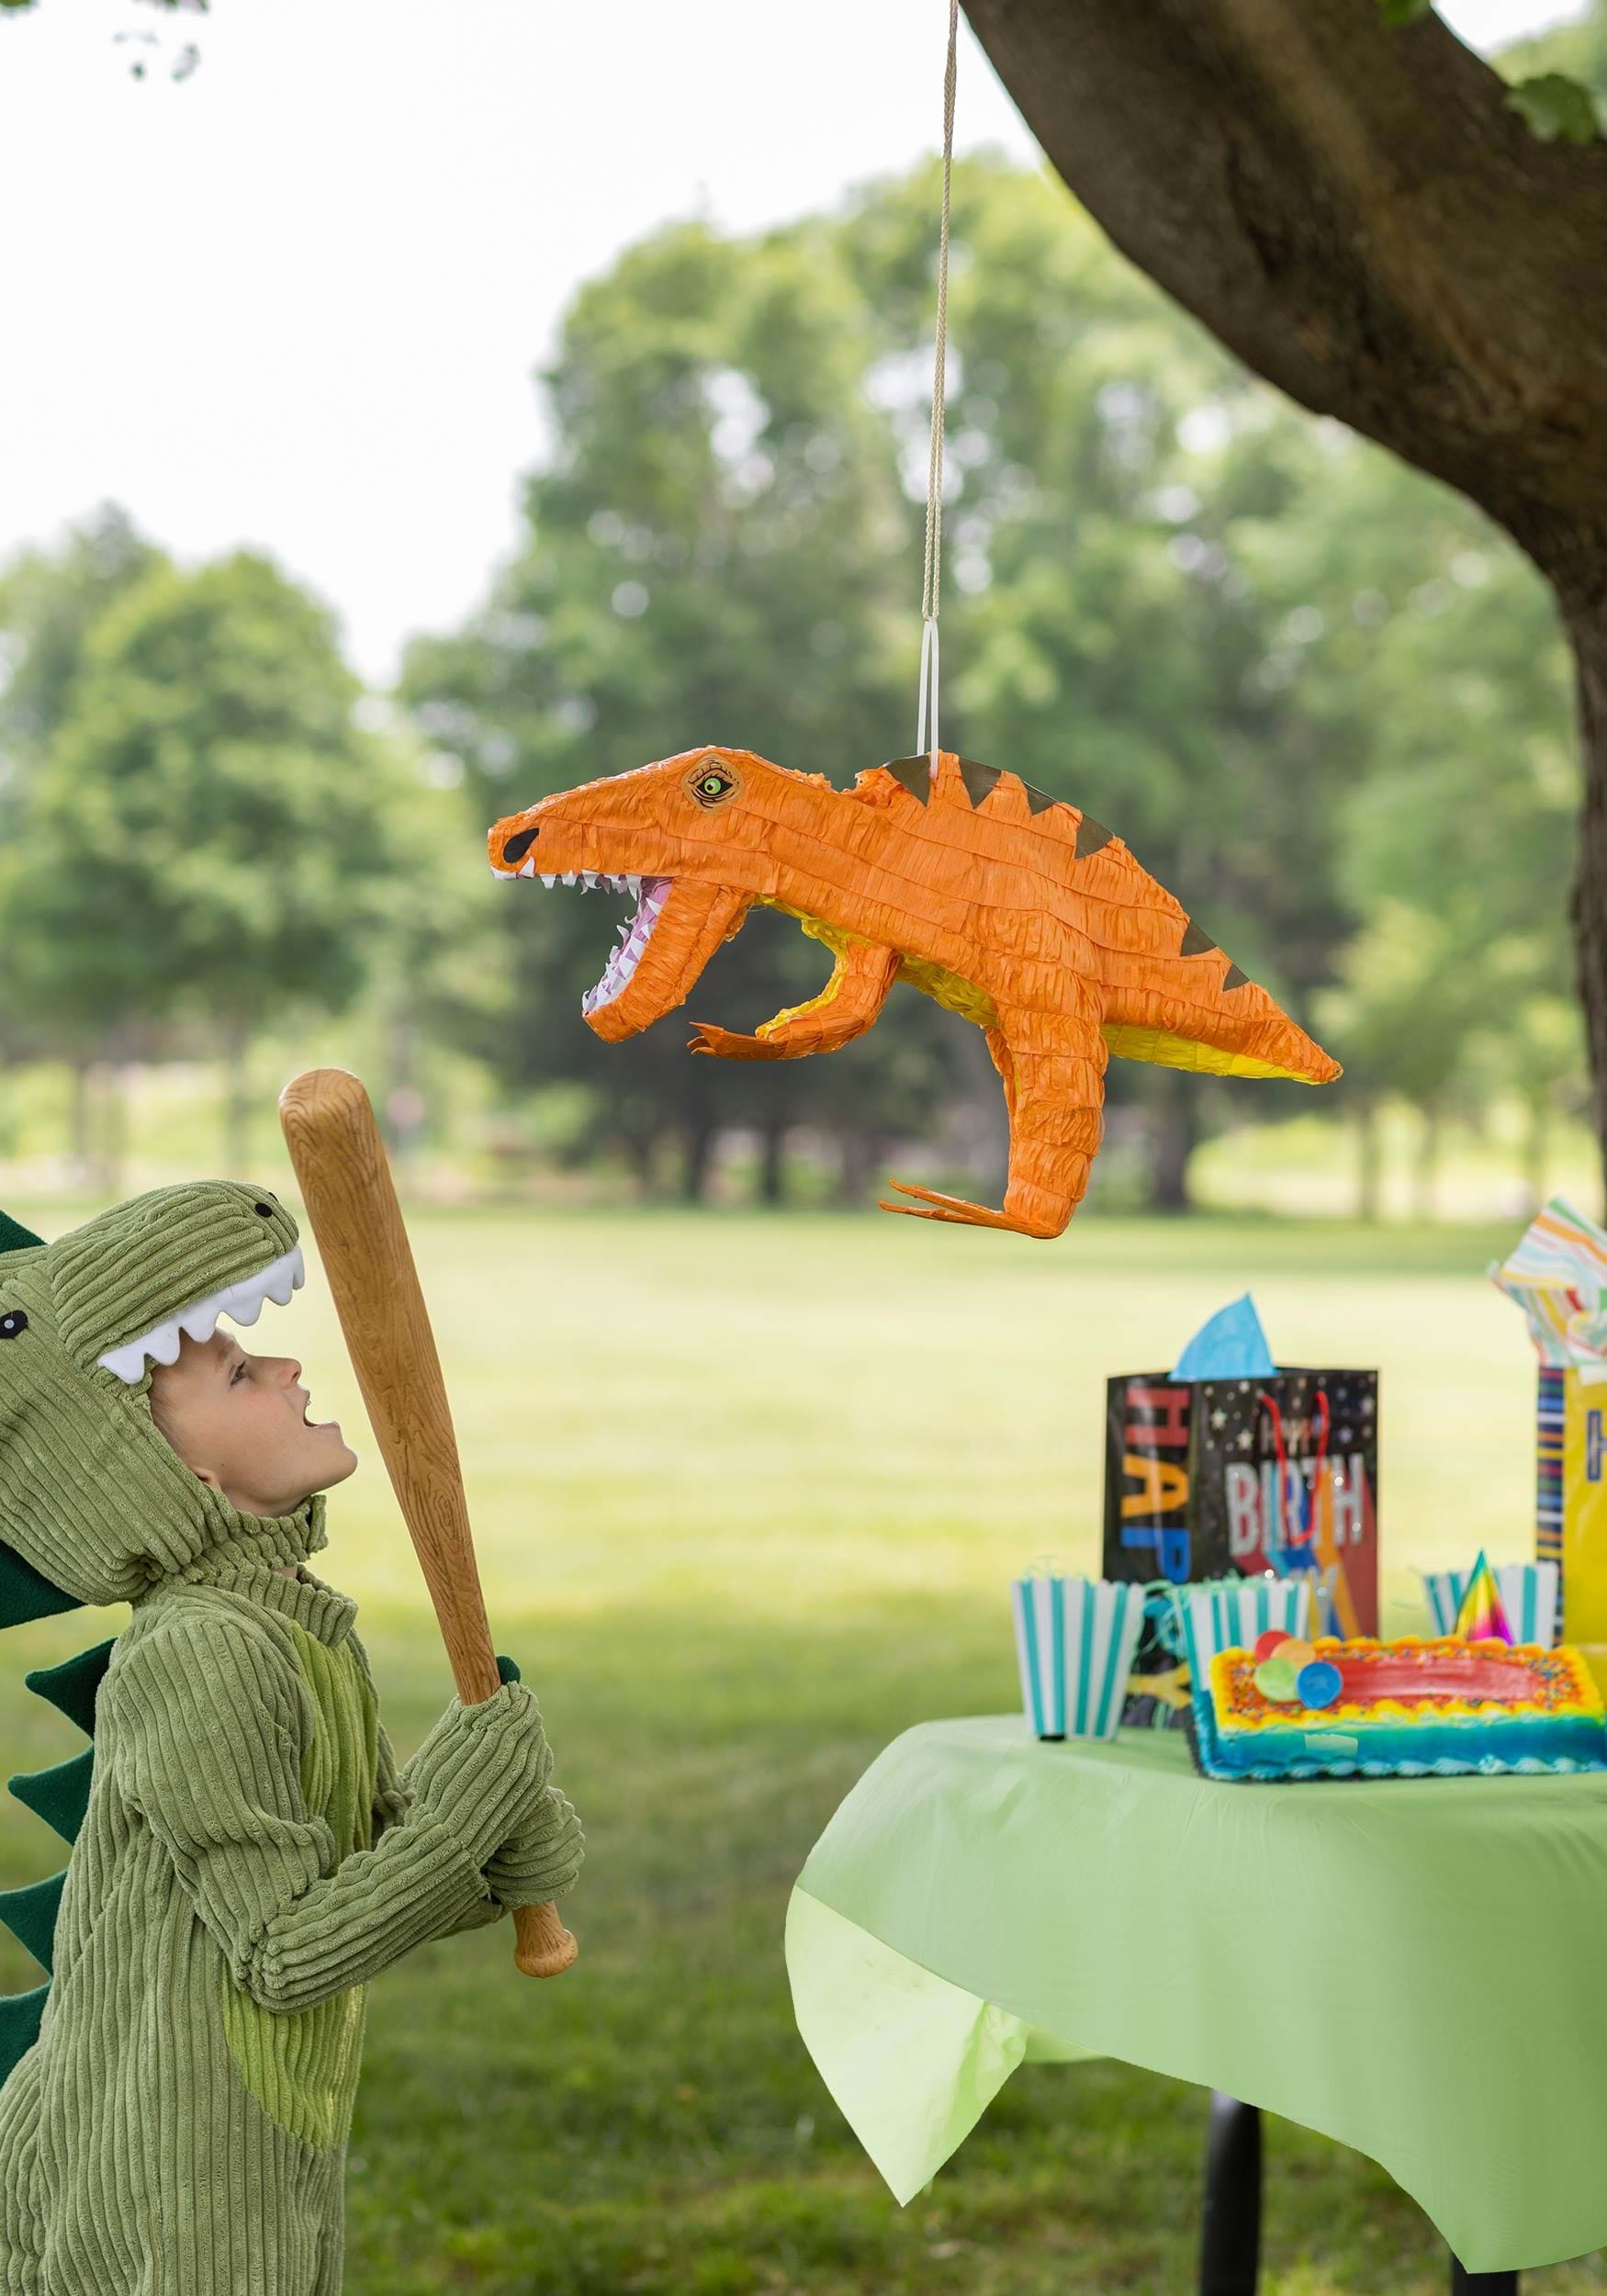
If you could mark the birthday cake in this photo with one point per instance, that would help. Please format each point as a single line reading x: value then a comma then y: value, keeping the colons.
x: 1447, y: 1708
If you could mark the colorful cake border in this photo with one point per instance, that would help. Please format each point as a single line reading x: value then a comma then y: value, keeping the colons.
x: 1279, y: 1742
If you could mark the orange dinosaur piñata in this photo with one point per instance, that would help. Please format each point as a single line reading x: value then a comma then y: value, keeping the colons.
x: 1011, y: 909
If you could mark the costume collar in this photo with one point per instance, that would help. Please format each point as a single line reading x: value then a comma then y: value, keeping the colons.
x: 251, y: 1561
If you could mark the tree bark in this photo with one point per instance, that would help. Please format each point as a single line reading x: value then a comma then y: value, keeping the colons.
x: 236, y: 1100
x: 860, y: 1154
x: 641, y: 1155
x: 1357, y: 211
x: 1428, y: 1160
x: 1369, y: 1163
x: 80, y: 1121
x: 112, y: 1159
x: 1537, y: 1148
x: 1587, y: 625
x: 1173, y: 1137
x: 772, y: 1167
x: 697, y: 1160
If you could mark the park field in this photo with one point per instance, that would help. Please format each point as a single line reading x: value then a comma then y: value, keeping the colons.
x: 747, y: 1495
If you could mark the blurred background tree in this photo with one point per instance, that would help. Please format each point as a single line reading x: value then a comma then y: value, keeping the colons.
x: 1319, y: 695
x: 205, y: 836
x: 1305, y: 685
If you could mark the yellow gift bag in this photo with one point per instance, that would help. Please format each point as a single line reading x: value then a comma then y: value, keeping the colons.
x: 1557, y: 1275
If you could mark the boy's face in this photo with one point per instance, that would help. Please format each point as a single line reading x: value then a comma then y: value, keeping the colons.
x: 240, y: 1423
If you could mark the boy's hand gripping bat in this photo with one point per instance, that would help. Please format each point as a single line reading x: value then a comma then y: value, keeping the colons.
x: 345, y: 1181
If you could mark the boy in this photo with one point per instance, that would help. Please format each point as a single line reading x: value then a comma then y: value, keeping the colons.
x: 249, y: 1856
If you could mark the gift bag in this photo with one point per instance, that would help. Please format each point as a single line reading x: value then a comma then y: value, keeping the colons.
x: 1570, y: 1513
x: 1212, y: 1477
x: 1557, y: 1275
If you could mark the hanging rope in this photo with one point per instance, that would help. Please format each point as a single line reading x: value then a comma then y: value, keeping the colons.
x: 931, y: 580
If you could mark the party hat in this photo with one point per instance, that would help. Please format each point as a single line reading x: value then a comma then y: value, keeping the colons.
x: 1481, y: 1615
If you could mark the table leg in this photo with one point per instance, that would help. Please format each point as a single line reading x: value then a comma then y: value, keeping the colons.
x: 1230, y: 2249
x: 1482, y: 2283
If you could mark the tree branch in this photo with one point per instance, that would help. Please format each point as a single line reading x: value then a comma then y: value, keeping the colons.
x: 1360, y: 215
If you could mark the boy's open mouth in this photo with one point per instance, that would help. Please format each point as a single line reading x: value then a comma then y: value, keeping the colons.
x: 240, y: 1302
x: 650, y: 892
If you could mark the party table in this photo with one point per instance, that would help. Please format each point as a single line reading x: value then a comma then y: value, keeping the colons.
x: 1417, y: 1968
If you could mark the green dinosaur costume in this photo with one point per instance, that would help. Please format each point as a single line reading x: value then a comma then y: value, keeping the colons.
x: 246, y: 1855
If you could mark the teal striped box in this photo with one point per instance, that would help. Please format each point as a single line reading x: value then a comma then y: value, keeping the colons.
x: 1230, y: 1613
x: 1074, y: 1643
x: 1528, y: 1591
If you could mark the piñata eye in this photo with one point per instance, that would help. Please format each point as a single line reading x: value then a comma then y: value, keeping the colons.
x: 13, y: 1323
x: 711, y: 783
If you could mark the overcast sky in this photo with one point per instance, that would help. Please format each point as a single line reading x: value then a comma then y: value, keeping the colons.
x: 297, y: 299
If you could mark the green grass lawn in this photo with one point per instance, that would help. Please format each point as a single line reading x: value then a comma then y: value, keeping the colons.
x: 748, y: 1495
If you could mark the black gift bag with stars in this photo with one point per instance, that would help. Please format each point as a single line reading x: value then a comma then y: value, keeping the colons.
x: 1214, y: 1478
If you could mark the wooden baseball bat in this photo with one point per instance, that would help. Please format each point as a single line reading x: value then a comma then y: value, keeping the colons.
x: 345, y: 1181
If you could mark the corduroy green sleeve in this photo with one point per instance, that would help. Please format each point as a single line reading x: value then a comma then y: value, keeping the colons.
x: 392, y: 1801
x: 205, y: 1721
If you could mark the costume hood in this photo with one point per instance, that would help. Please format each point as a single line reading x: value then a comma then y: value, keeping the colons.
x: 92, y: 1497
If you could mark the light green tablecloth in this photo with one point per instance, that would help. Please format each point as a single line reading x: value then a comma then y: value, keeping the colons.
x: 1418, y: 1968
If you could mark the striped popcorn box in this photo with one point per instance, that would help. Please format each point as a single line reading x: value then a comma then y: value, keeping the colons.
x: 1528, y: 1596
x: 1074, y: 1641
x: 1229, y: 1614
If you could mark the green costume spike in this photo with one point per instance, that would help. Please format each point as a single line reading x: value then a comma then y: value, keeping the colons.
x: 26, y: 1594
x: 30, y: 1914
x: 20, y: 2016
x: 14, y: 1236
x: 174, y: 2103
x: 71, y: 1686
x: 60, y: 1795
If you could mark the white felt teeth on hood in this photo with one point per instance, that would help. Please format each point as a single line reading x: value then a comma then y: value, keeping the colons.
x: 240, y: 1302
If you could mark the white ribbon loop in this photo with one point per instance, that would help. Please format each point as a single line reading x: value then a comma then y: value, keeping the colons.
x: 932, y: 571
x: 928, y: 693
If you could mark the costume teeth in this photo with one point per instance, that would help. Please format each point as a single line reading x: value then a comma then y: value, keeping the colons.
x: 240, y: 1302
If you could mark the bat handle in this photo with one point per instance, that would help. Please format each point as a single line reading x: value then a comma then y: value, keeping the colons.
x: 542, y: 1947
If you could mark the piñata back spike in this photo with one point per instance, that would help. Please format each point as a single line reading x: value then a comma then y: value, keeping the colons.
x: 19, y: 2023
x: 70, y: 1687
x: 60, y: 1794
x: 30, y: 1915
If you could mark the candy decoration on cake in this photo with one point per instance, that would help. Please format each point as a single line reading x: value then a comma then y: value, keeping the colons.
x: 1009, y: 908
x: 1481, y: 1615
x: 1450, y: 1707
